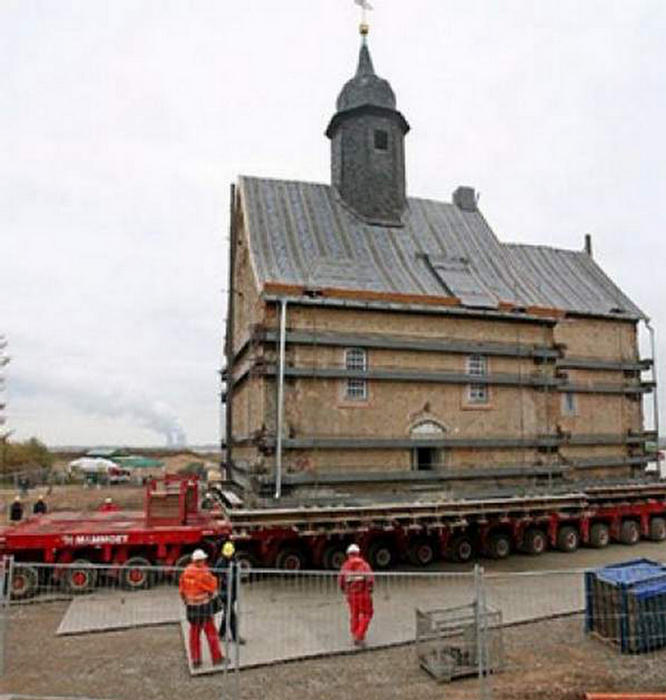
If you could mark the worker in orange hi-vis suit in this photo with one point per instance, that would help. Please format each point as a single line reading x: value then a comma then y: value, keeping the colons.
x: 356, y: 582
x: 197, y: 589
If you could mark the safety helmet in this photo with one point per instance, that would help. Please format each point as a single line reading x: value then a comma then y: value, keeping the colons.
x: 17, y: 499
x: 199, y: 555
x: 228, y: 549
x: 353, y: 549
x: 108, y: 500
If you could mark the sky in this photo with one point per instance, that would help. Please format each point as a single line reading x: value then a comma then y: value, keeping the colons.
x: 123, y: 124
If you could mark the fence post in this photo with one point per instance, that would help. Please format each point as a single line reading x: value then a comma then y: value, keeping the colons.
x: 239, y: 627
x: 481, y: 620
x: 6, y: 575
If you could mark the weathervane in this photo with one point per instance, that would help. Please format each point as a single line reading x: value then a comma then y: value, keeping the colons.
x: 365, y: 6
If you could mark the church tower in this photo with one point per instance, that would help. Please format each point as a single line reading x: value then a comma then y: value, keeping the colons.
x: 367, y: 145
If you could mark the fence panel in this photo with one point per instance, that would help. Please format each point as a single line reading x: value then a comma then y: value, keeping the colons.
x: 552, y: 641
x: 110, y: 632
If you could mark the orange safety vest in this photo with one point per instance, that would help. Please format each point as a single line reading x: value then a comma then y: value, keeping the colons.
x: 197, y: 584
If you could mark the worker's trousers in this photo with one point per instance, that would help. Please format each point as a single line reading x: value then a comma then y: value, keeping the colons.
x: 233, y: 623
x: 360, y: 613
x: 208, y: 627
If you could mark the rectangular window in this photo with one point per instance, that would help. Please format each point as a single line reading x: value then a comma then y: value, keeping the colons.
x: 356, y: 359
x: 477, y: 365
x: 381, y: 140
x: 569, y: 407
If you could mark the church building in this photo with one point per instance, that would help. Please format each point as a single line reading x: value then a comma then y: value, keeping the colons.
x: 383, y: 345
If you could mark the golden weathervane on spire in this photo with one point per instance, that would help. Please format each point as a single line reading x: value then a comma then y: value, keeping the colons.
x: 364, y: 27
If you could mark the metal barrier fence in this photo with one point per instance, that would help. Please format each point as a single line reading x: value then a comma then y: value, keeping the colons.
x: 103, y: 632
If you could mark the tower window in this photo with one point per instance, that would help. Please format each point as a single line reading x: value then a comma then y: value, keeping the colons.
x: 381, y: 140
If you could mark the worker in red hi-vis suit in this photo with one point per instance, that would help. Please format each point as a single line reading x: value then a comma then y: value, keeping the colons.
x: 197, y: 589
x: 108, y: 506
x: 356, y: 581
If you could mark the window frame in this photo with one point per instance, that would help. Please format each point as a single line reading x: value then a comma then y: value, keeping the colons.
x: 356, y: 389
x: 477, y: 394
x: 566, y: 408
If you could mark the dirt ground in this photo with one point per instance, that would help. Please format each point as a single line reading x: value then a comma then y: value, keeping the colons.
x: 546, y: 660
x: 77, y: 497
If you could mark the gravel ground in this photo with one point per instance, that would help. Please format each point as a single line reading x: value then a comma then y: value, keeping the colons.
x: 551, y: 659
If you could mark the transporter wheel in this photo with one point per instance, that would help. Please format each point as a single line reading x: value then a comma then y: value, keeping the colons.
x: 461, y: 549
x: 334, y: 557
x: 499, y: 546
x: 25, y: 581
x: 134, y: 575
x: 381, y: 555
x: 175, y: 572
x: 247, y: 562
x: 80, y: 577
x: 421, y: 551
x: 290, y: 559
x: 630, y: 533
x: 599, y: 535
x: 657, y: 529
x: 568, y: 539
x: 534, y: 542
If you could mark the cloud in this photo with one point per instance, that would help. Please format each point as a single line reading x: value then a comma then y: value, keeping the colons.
x: 82, y: 392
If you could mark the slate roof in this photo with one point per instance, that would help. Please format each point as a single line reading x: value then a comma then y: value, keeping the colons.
x: 302, y: 233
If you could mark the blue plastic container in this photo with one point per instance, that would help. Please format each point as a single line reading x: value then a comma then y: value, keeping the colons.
x: 625, y: 604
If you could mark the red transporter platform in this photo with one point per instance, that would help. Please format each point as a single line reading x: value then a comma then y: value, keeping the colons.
x: 165, y: 533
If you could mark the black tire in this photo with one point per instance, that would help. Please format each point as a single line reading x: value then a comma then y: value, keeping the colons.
x: 421, y: 551
x: 657, y: 529
x: 599, y: 535
x: 248, y: 562
x: 630, y: 532
x: 535, y: 542
x: 333, y: 557
x: 290, y: 559
x: 461, y: 549
x: 381, y: 555
x: 568, y: 539
x: 134, y: 576
x: 80, y: 577
x: 174, y: 573
x: 499, y: 546
x: 25, y: 582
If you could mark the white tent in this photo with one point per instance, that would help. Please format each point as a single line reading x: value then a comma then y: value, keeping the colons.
x: 91, y: 465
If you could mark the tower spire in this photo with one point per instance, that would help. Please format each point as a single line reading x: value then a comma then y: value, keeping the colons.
x: 367, y: 150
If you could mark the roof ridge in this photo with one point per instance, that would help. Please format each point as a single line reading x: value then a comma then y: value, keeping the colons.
x: 540, y: 246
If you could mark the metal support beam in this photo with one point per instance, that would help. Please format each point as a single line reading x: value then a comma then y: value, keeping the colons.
x: 655, y: 400
x: 280, y: 400
x: 389, y: 342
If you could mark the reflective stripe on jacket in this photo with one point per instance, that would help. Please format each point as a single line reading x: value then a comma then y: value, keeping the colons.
x: 356, y: 575
x: 197, y: 584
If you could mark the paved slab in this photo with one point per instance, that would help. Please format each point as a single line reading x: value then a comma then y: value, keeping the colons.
x: 282, y: 621
x: 293, y: 617
x: 105, y: 610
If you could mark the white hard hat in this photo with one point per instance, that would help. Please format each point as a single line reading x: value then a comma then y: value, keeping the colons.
x: 108, y: 500
x: 199, y: 555
x: 353, y: 549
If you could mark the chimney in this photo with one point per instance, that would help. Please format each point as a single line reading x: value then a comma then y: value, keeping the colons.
x: 465, y: 198
x: 588, y: 244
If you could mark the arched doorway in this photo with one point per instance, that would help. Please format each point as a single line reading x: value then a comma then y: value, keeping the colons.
x: 425, y: 457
